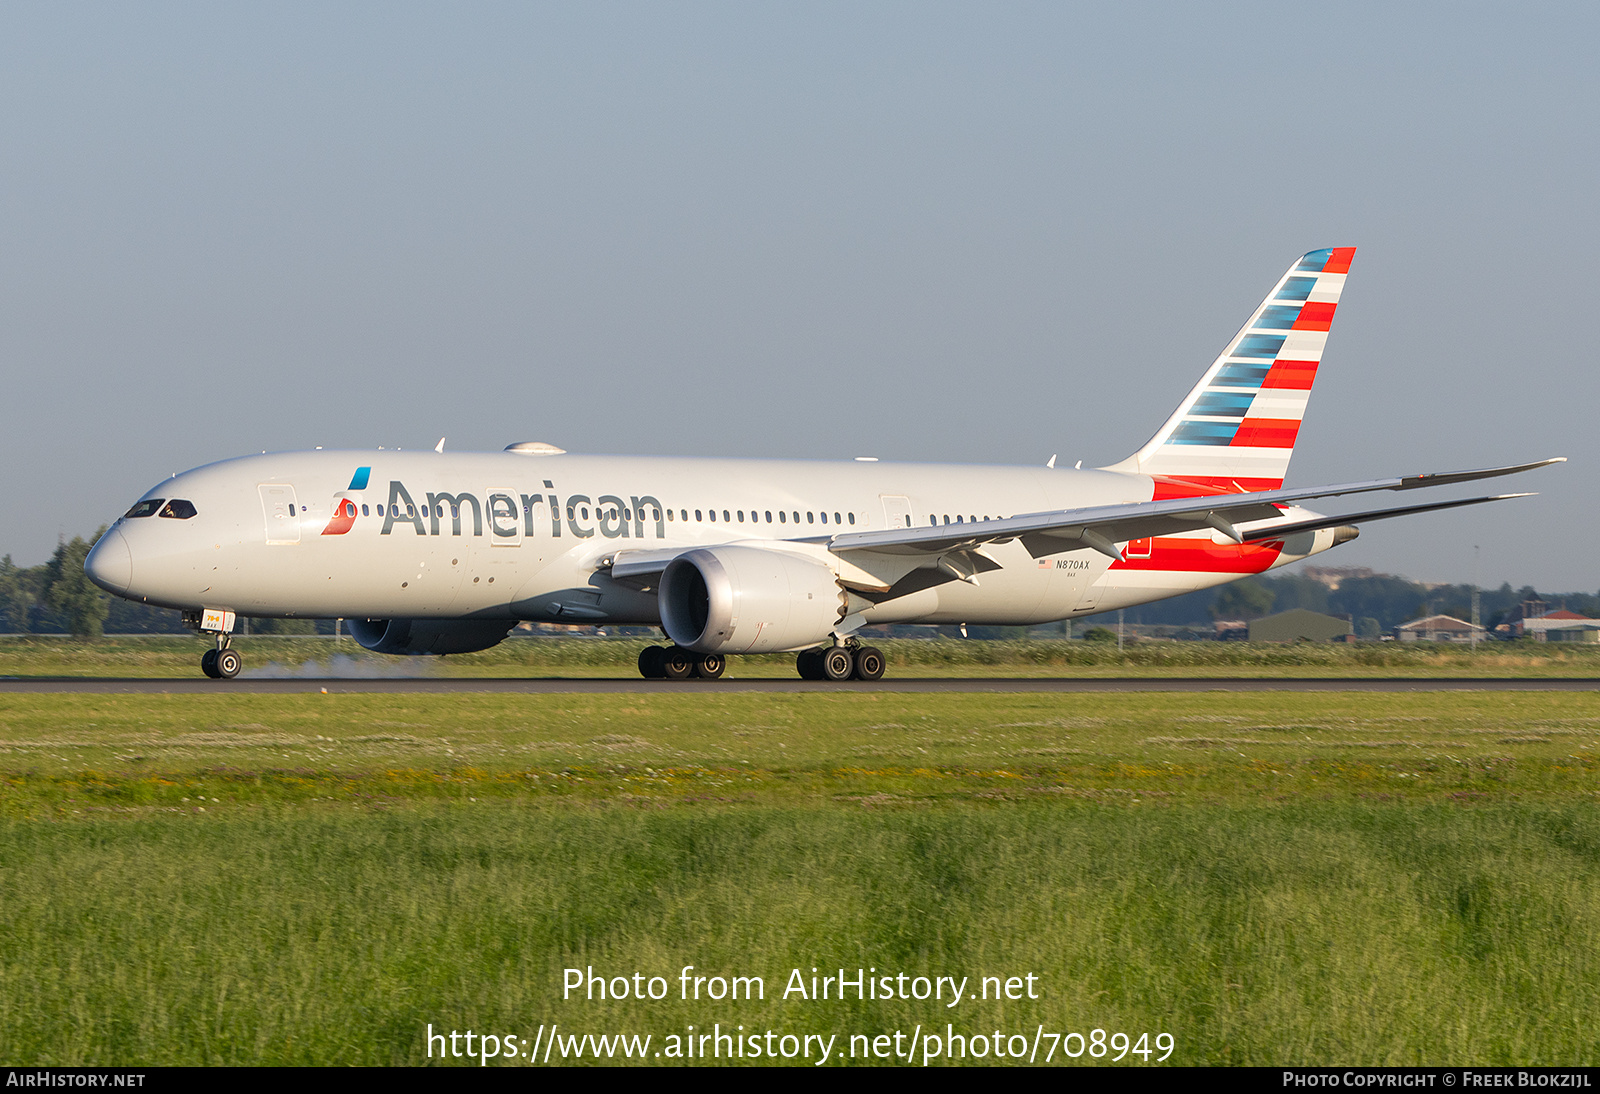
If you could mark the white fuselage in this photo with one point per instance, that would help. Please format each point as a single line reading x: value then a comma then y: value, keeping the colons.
x: 529, y: 537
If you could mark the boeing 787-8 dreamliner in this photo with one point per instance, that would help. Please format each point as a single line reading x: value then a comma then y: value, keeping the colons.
x: 435, y: 553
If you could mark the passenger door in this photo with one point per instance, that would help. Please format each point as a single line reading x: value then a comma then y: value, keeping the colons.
x: 278, y: 506
x: 896, y: 510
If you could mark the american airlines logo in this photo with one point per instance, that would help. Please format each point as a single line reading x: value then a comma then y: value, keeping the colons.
x: 508, y: 515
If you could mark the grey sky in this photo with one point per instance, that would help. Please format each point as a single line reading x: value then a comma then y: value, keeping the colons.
x: 969, y: 233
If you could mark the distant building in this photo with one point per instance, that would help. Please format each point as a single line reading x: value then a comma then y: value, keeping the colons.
x: 1560, y: 626
x: 1511, y: 625
x: 1230, y: 630
x: 1437, y: 628
x: 1301, y: 625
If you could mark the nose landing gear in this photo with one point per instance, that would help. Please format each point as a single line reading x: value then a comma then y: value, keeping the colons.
x: 224, y: 662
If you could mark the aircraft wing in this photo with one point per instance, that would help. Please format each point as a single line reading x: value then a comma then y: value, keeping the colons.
x: 1103, y: 527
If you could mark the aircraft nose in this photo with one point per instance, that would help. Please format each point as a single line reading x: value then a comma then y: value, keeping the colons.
x: 110, y: 563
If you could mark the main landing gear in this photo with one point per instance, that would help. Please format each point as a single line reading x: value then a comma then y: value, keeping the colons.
x: 677, y: 663
x: 848, y: 662
x: 841, y: 663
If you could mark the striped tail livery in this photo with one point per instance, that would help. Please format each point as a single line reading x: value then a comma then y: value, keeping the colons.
x: 1235, y: 431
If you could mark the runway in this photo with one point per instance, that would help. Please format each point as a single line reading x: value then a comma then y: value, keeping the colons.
x: 634, y: 686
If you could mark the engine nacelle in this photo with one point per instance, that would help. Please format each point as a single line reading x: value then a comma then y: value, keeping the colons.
x: 748, y: 600
x: 421, y: 636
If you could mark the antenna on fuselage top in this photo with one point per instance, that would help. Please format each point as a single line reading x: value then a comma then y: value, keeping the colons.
x: 440, y: 446
x: 1051, y: 462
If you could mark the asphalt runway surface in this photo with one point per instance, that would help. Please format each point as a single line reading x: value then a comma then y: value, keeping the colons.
x: 636, y: 686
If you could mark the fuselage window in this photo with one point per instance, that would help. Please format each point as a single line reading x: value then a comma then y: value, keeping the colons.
x: 571, y: 512
x: 713, y: 513
x: 781, y: 516
x: 824, y: 517
x: 411, y: 511
x: 655, y: 514
x: 455, y: 512
x: 145, y: 508
x: 797, y: 516
x: 933, y: 519
x: 741, y: 516
x: 724, y: 516
x: 836, y: 519
x: 669, y: 515
x: 365, y: 511
x: 852, y: 517
x: 811, y: 518
x: 178, y: 509
x: 697, y: 514
x: 585, y: 512
x: 380, y: 510
x: 958, y: 518
x: 685, y: 513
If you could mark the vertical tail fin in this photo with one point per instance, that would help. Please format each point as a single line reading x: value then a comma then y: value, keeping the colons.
x: 1236, y: 430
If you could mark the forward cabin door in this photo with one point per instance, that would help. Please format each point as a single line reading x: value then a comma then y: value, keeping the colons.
x: 278, y: 506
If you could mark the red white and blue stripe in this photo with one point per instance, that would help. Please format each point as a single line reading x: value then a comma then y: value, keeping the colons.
x: 1236, y: 430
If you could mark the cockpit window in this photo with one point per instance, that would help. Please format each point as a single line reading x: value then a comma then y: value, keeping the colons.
x: 178, y: 509
x: 146, y: 508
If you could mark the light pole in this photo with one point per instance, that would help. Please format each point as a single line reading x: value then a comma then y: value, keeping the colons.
x: 1475, y: 601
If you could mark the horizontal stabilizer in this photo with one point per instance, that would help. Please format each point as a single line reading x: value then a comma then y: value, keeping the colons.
x: 1281, y: 530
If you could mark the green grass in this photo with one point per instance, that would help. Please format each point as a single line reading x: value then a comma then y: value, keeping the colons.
x: 27, y: 655
x: 1271, y: 879
x: 1309, y: 934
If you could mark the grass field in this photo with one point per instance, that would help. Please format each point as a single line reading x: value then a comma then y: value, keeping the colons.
x: 156, y: 656
x: 1321, y: 878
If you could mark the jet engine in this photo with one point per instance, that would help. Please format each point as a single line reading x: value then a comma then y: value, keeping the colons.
x: 420, y: 636
x: 748, y: 600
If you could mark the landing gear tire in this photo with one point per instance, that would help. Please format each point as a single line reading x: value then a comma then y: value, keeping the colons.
x: 709, y: 666
x: 870, y: 663
x: 838, y: 663
x: 652, y: 663
x: 208, y: 664
x: 677, y: 663
x: 228, y: 663
x: 808, y: 663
